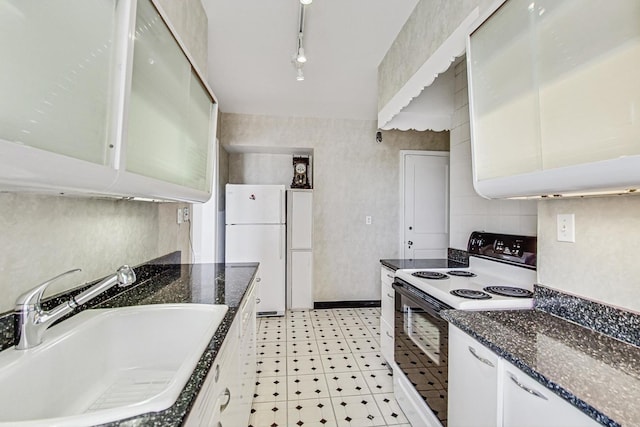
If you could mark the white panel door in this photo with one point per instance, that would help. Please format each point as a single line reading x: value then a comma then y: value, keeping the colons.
x: 255, y: 204
x: 264, y: 244
x: 301, y: 219
x: 426, y: 206
x: 301, y: 279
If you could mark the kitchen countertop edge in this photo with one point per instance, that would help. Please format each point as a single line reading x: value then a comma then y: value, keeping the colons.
x: 457, y: 318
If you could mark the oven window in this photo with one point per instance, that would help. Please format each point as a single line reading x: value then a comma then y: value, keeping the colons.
x: 421, y: 353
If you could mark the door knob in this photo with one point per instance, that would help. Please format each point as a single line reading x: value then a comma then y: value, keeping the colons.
x: 410, y: 228
x: 410, y: 242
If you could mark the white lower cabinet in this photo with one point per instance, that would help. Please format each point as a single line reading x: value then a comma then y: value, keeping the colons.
x: 387, y: 316
x: 500, y: 395
x: 529, y: 404
x: 226, y: 395
x: 473, y: 382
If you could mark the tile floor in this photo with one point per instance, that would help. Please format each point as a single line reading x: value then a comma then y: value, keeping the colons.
x: 323, y: 368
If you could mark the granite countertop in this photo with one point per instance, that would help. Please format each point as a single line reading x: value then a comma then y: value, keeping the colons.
x: 162, y: 281
x: 596, y: 373
x: 397, y: 264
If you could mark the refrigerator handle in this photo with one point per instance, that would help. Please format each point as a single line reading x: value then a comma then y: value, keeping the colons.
x: 281, y: 244
x: 282, y: 202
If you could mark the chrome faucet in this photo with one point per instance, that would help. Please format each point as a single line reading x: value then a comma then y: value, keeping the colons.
x: 32, y: 320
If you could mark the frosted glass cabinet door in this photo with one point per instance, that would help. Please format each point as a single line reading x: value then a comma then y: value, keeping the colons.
x: 169, y: 136
x: 503, y: 94
x: 56, y: 81
x: 589, y: 85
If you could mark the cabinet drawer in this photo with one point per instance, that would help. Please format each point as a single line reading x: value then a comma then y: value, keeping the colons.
x: 387, y: 295
x: 386, y: 341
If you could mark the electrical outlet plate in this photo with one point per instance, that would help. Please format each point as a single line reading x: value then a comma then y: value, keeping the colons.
x: 186, y: 215
x: 367, y: 220
x: 566, y: 228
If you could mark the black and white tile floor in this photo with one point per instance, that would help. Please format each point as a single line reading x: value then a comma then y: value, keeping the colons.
x: 323, y: 368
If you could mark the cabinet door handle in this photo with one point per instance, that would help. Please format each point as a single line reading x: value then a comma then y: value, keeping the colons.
x: 389, y: 335
x: 525, y: 388
x: 258, y: 279
x: 227, y: 395
x: 257, y: 300
x: 389, y: 295
x: 480, y: 358
x: 389, y: 276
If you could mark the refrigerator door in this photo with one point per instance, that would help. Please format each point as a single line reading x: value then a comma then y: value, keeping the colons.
x: 264, y: 244
x: 255, y: 204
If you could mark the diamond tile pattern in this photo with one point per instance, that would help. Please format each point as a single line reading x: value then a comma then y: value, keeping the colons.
x: 323, y: 368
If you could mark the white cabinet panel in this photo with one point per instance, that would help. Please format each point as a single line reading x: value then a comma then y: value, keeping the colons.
x: 301, y: 218
x: 301, y: 279
x: 473, y: 382
x: 529, y: 404
x: 300, y: 249
x: 387, y: 301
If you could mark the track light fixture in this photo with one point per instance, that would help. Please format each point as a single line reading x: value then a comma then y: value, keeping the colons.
x: 299, y: 57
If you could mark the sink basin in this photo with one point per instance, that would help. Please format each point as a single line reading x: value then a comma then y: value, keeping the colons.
x: 102, y: 365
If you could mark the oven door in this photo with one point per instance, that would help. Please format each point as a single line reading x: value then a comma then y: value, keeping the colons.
x: 421, y: 345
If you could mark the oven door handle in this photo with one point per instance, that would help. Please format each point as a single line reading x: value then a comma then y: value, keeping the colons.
x: 431, y: 307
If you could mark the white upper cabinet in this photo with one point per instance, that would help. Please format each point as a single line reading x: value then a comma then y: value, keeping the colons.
x: 555, y: 98
x: 99, y: 97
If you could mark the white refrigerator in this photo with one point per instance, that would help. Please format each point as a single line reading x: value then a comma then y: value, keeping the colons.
x: 255, y: 232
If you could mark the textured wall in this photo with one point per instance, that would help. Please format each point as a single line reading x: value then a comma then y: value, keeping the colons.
x: 43, y: 236
x: 602, y: 263
x: 260, y: 168
x: 353, y: 177
x: 468, y: 211
x: 189, y: 19
x: 430, y: 24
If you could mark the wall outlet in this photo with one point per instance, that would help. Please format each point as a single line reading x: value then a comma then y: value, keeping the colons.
x: 186, y: 215
x: 367, y: 220
x: 566, y: 228
x: 180, y: 217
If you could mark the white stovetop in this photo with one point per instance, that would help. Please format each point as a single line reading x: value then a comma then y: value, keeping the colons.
x: 489, y: 273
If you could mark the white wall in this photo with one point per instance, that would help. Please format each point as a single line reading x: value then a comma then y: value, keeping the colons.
x: 353, y: 177
x: 602, y: 263
x: 469, y: 211
x: 43, y: 236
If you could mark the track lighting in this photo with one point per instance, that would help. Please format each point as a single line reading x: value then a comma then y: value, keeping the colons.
x: 299, y: 57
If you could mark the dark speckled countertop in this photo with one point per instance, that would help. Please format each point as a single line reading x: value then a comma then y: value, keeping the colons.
x: 596, y: 373
x: 161, y: 281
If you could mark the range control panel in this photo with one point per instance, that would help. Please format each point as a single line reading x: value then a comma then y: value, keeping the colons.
x: 506, y: 247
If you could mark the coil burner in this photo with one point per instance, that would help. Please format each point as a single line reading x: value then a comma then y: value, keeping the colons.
x: 470, y: 294
x: 461, y: 273
x: 509, y: 291
x: 430, y: 275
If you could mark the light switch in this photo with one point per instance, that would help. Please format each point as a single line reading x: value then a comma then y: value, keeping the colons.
x: 566, y: 228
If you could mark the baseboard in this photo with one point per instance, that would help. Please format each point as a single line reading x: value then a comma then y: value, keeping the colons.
x: 346, y: 304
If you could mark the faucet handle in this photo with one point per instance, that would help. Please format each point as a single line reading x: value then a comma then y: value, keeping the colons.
x: 33, y: 296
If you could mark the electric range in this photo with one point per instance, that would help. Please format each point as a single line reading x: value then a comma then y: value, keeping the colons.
x: 497, y: 262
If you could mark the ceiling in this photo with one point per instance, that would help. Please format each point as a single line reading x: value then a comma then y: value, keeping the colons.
x: 251, y: 44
